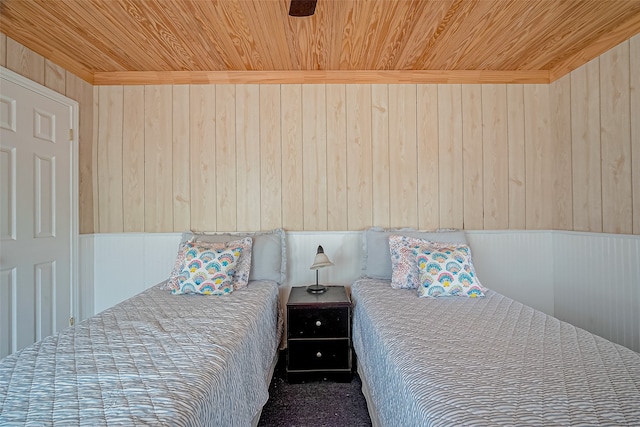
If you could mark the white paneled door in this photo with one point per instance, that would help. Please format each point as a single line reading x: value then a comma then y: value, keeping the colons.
x: 36, y: 212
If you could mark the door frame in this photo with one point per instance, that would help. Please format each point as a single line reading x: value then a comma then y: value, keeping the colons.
x: 73, y: 106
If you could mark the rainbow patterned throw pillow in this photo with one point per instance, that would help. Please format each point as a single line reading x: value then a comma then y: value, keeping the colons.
x: 447, y: 270
x: 205, y: 270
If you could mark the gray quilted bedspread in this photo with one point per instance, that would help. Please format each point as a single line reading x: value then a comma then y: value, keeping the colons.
x: 486, y: 362
x: 154, y: 359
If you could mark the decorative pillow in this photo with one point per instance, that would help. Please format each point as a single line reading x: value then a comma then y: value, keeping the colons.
x: 447, y: 270
x: 404, y: 267
x: 377, y: 260
x: 240, y: 275
x: 268, y: 253
x: 206, y: 271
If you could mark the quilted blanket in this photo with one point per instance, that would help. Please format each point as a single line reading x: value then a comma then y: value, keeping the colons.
x: 154, y: 359
x: 486, y: 361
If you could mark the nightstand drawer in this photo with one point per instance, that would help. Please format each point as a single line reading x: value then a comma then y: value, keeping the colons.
x: 318, y: 322
x: 319, y: 354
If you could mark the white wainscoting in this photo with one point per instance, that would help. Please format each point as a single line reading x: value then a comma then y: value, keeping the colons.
x: 518, y: 264
x: 127, y: 264
x: 344, y: 249
x: 565, y: 274
x: 86, y: 276
x: 597, y: 284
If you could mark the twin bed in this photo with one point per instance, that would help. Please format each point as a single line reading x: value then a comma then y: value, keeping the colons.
x: 194, y: 360
x: 158, y: 358
x: 487, y: 361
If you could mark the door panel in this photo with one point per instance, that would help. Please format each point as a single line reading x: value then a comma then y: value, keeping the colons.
x: 8, y: 315
x: 7, y: 193
x: 35, y: 216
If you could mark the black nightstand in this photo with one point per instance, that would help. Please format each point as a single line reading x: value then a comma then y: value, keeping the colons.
x: 319, y: 335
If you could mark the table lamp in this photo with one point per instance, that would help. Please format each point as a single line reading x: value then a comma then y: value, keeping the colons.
x: 321, y: 260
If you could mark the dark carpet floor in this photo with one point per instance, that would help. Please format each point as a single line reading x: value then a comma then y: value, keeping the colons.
x: 313, y: 403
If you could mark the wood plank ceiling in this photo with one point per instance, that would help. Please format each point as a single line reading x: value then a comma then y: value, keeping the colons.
x: 233, y: 41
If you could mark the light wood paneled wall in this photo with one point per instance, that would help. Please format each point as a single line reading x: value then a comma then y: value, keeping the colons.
x: 322, y: 157
x: 329, y: 157
x: 596, y: 108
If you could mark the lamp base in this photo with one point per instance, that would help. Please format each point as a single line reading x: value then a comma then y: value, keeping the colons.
x: 316, y: 289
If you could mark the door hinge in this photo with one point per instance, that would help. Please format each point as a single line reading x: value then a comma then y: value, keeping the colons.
x: 70, y: 134
x: 72, y: 320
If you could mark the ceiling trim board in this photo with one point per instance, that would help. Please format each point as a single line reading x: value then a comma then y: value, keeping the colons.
x: 319, y: 77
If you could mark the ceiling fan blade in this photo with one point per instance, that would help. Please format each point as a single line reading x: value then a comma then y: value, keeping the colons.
x: 302, y: 7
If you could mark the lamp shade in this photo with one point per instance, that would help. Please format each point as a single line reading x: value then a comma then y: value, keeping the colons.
x: 321, y: 260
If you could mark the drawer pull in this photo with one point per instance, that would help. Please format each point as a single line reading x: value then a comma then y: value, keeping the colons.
x: 318, y: 323
x: 318, y: 355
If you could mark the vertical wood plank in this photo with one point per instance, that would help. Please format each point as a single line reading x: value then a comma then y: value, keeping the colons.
x: 472, y: 165
x: 585, y: 147
x: 248, y: 156
x: 271, y: 158
x: 181, y: 150
x: 634, y: 73
x: 292, y: 184
x: 403, y: 156
x: 495, y: 157
x: 428, y: 172
x: 24, y: 61
x: 538, y: 152
x: 560, y: 98
x: 336, y: 157
x: 380, y: 155
x: 359, y: 155
x: 314, y: 161
x: 54, y: 76
x: 450, y: 156
x: 158, y: 167
x: 516, y: 148
x: 3, y: 50
x: 226, y: 159
x: 81, y: 91
x: 202, y: 153
x: 616, y: 142
x: 110, y: 159
x: 133, y: 159
x: 95, y: 131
